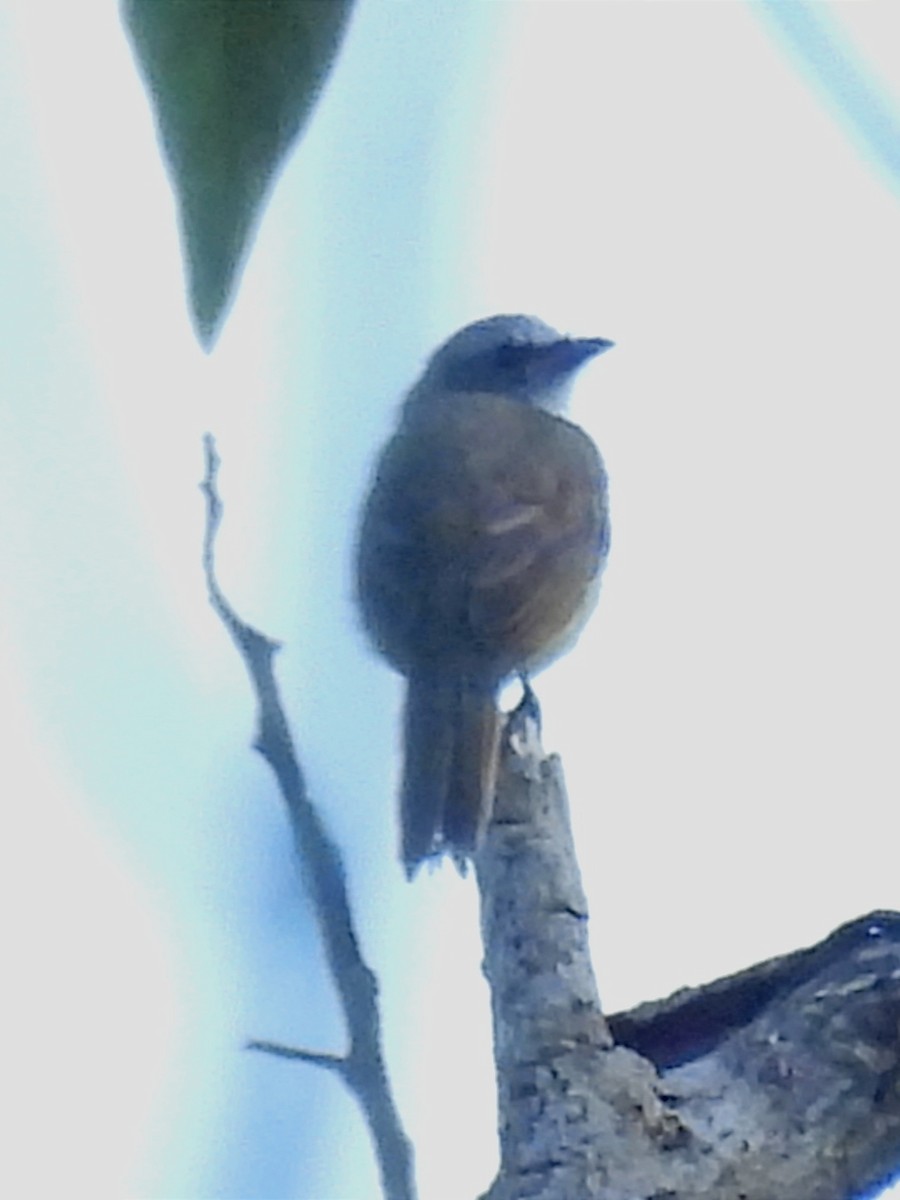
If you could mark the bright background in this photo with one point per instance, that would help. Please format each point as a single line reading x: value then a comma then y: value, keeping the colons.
x: 711, y: 186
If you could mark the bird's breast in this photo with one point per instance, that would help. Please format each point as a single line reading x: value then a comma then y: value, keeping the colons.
x: 483, y: 537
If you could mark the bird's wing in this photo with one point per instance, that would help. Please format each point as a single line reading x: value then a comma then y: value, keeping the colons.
x: 543, y: 536
x: 485, y: 526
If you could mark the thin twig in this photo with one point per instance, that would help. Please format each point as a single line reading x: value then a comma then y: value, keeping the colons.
x: 331, y: 1062
x: 322, y: 872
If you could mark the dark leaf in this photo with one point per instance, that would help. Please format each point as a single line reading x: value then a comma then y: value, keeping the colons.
x: 232, y: 83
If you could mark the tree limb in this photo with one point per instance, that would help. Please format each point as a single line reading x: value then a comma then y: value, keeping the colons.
x: 362, y: 1068
x: 782, y: 1081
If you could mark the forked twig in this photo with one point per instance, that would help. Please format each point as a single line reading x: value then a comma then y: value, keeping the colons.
x: 362, y: 1068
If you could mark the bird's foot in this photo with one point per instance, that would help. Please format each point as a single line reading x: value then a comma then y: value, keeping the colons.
x: 528, y: 708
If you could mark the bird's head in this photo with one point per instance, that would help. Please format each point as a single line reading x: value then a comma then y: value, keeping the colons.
x: 511, y: 355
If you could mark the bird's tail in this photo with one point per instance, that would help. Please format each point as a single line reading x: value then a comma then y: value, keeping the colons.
x: 452, y: 738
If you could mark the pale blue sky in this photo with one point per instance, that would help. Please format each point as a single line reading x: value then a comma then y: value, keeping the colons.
x: 669, y: 175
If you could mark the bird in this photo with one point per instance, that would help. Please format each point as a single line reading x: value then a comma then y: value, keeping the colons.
x: 479, y: 554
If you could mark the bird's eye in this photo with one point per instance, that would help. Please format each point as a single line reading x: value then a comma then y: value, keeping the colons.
x: 508, y: 355
x: 511, y: 360
x: 499, y: 369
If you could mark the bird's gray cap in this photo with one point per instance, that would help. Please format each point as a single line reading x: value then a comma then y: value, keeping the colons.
x: 515, y: 355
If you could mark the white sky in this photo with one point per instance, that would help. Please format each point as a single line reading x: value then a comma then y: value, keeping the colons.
x: 664, y: 174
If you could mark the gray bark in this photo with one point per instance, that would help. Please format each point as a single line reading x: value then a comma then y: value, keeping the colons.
x: 780, y: 1082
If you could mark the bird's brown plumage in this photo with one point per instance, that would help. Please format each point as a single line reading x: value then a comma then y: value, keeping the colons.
x: 480, y: 546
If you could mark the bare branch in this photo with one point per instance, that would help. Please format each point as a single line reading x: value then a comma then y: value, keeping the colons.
x: 322, y: 872
x: 331, y: 1062
x: 781, y: 1081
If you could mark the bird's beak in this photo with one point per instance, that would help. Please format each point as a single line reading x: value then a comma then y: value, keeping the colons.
x: 561, y: 358
x: 585, y: 348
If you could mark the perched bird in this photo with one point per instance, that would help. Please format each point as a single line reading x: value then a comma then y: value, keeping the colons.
x: 480, y: 551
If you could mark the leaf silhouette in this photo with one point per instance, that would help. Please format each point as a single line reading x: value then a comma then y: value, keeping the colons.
x: 232, y: 83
